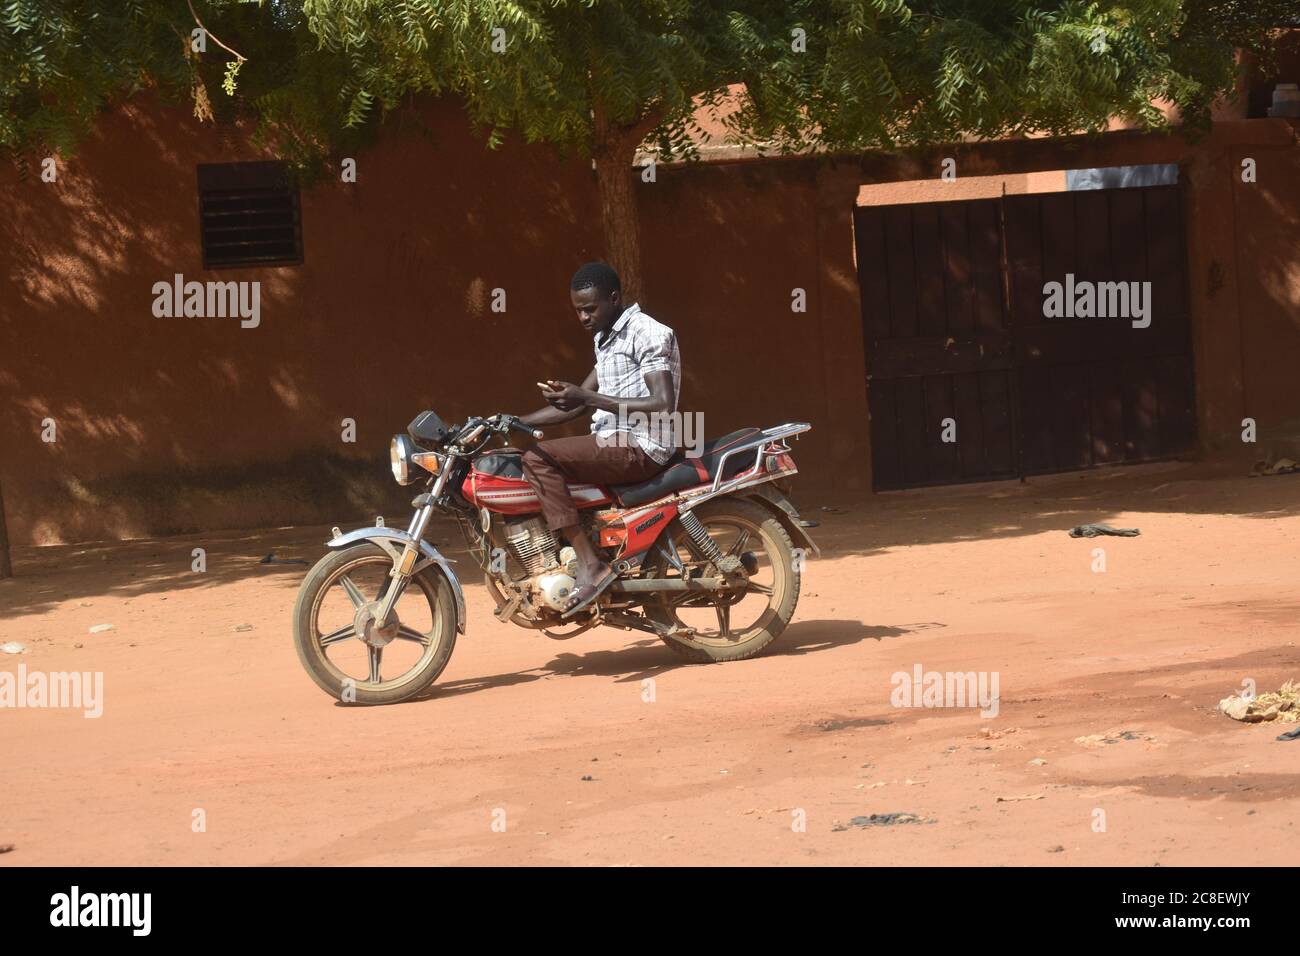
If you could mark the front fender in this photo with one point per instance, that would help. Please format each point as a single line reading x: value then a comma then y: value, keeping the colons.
x: 394, y: 542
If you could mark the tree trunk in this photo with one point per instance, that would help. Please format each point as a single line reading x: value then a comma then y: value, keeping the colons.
x: 6, y: 568
x: 614, y: 151
x: 616, y: 181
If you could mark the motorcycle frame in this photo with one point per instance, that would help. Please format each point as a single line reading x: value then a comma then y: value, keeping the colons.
x: 415, y: 555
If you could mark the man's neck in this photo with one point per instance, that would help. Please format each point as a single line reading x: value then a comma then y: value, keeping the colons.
x: 608, y: 330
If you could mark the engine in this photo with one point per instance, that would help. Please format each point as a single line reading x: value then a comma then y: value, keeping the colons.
x: 550, y: 569
x: 533, y: 544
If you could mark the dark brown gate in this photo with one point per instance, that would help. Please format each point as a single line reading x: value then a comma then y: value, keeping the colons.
x: 953, y: 318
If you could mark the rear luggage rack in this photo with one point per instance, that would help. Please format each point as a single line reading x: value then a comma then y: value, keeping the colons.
x: 777, y: 433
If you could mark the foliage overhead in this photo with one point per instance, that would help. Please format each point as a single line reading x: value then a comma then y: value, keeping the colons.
x: 594, y: 74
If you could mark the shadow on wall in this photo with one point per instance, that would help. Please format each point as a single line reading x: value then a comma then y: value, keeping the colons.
x: 1268, y: 269
x: 185, y: 500
x: 389, y: 314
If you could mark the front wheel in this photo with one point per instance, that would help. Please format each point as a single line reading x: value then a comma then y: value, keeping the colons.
x: 739, y: 622
x: 352, y: 656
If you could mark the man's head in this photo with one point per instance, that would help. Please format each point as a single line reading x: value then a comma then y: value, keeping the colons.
x: 597, y: 296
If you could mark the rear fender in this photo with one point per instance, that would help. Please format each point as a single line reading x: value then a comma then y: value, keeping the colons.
x: 769, y: 497
x: 394, y: 541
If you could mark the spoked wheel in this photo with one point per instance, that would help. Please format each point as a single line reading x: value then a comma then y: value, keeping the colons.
x: 353, y: 656
x: 740, y: 622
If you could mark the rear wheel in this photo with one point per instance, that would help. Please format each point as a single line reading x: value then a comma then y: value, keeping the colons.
x: 739, y: 622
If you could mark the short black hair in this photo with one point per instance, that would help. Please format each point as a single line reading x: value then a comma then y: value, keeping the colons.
x: 598, y: 275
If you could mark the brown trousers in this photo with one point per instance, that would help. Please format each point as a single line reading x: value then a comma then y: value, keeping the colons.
x: 548, y: 465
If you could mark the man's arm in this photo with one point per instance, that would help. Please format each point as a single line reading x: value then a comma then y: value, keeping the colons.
x: 560, y: 410
x: 660, y: 398
x: 655, y: 351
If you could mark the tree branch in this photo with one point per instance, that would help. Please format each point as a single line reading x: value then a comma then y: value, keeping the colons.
x: 235, y: 53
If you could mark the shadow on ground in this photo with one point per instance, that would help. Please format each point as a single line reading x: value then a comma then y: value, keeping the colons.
x: 649, y: 657
x: 47, y: 576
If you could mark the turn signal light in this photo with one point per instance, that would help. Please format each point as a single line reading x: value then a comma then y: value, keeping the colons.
x: 427, y: 460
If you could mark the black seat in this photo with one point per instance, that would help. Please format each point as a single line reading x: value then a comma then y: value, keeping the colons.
x: 683, y: 472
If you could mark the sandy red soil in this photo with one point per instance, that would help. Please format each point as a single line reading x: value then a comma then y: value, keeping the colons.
x: 198, y: 715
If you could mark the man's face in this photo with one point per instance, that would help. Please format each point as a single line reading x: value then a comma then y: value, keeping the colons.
x: 596, y: 310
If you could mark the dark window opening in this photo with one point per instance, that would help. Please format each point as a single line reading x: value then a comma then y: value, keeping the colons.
x: 249, y: 215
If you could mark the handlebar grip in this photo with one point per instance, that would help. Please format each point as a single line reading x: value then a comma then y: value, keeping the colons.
x: 517, y: 425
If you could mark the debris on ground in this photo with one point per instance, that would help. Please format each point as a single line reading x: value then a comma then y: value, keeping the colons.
x: 846, y: 723
x: 1093, y: 530
x: 13, y: 647
x: 1283, y: 466
x: 1027, y: 796
x: 882, y: 820
x: 101, y: 628
x: 1283, y: 705
x: 242, y: 627
x: 1112, y: 737
x: 1037, y: 762
x: 272, y: 559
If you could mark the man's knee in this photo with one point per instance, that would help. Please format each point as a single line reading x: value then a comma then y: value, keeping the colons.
x: 535, y: 461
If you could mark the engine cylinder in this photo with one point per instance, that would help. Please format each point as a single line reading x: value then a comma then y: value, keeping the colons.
x: 533, y: 544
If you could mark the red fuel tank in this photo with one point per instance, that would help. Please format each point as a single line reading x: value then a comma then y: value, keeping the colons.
x: 496, y: 482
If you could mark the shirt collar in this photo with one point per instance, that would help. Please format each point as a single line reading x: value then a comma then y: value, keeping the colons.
x: 619, y: 323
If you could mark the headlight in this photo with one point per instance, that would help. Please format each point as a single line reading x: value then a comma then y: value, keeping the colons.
x: 399, y: 457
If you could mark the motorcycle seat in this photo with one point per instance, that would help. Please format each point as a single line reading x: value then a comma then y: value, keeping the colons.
x: 681, y: 471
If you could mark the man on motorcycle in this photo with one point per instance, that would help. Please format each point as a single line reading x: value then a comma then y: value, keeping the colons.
x: 632, y: 392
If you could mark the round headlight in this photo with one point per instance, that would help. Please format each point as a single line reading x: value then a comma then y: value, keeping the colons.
x: 399, y: 457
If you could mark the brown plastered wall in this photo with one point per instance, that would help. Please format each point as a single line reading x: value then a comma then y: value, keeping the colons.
x: 174, y: 424
x: 169, y: 425
x: 725, y: 247
x: 1266, y: 232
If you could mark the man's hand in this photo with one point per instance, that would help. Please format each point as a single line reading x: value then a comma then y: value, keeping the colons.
x: 556, y: 413
x: 566, y: 396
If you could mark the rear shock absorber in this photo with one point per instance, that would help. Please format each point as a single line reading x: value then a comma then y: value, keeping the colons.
x: 727, y: 564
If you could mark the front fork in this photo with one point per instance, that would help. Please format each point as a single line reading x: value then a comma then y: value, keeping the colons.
x: 402, y: 566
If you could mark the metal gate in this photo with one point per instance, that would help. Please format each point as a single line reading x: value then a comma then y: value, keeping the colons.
x: 969, y: 379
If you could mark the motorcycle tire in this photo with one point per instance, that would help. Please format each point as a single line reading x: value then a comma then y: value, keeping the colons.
x: 780, y: 552
x: 329, y: 570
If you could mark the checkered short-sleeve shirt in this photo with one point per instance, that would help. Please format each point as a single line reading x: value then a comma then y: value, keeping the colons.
x: 635, y: 346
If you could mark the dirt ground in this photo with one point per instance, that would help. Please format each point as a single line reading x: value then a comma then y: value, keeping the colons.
x: 587, y: 763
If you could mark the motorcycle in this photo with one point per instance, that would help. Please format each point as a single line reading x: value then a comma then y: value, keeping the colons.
x: 709, y: 555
